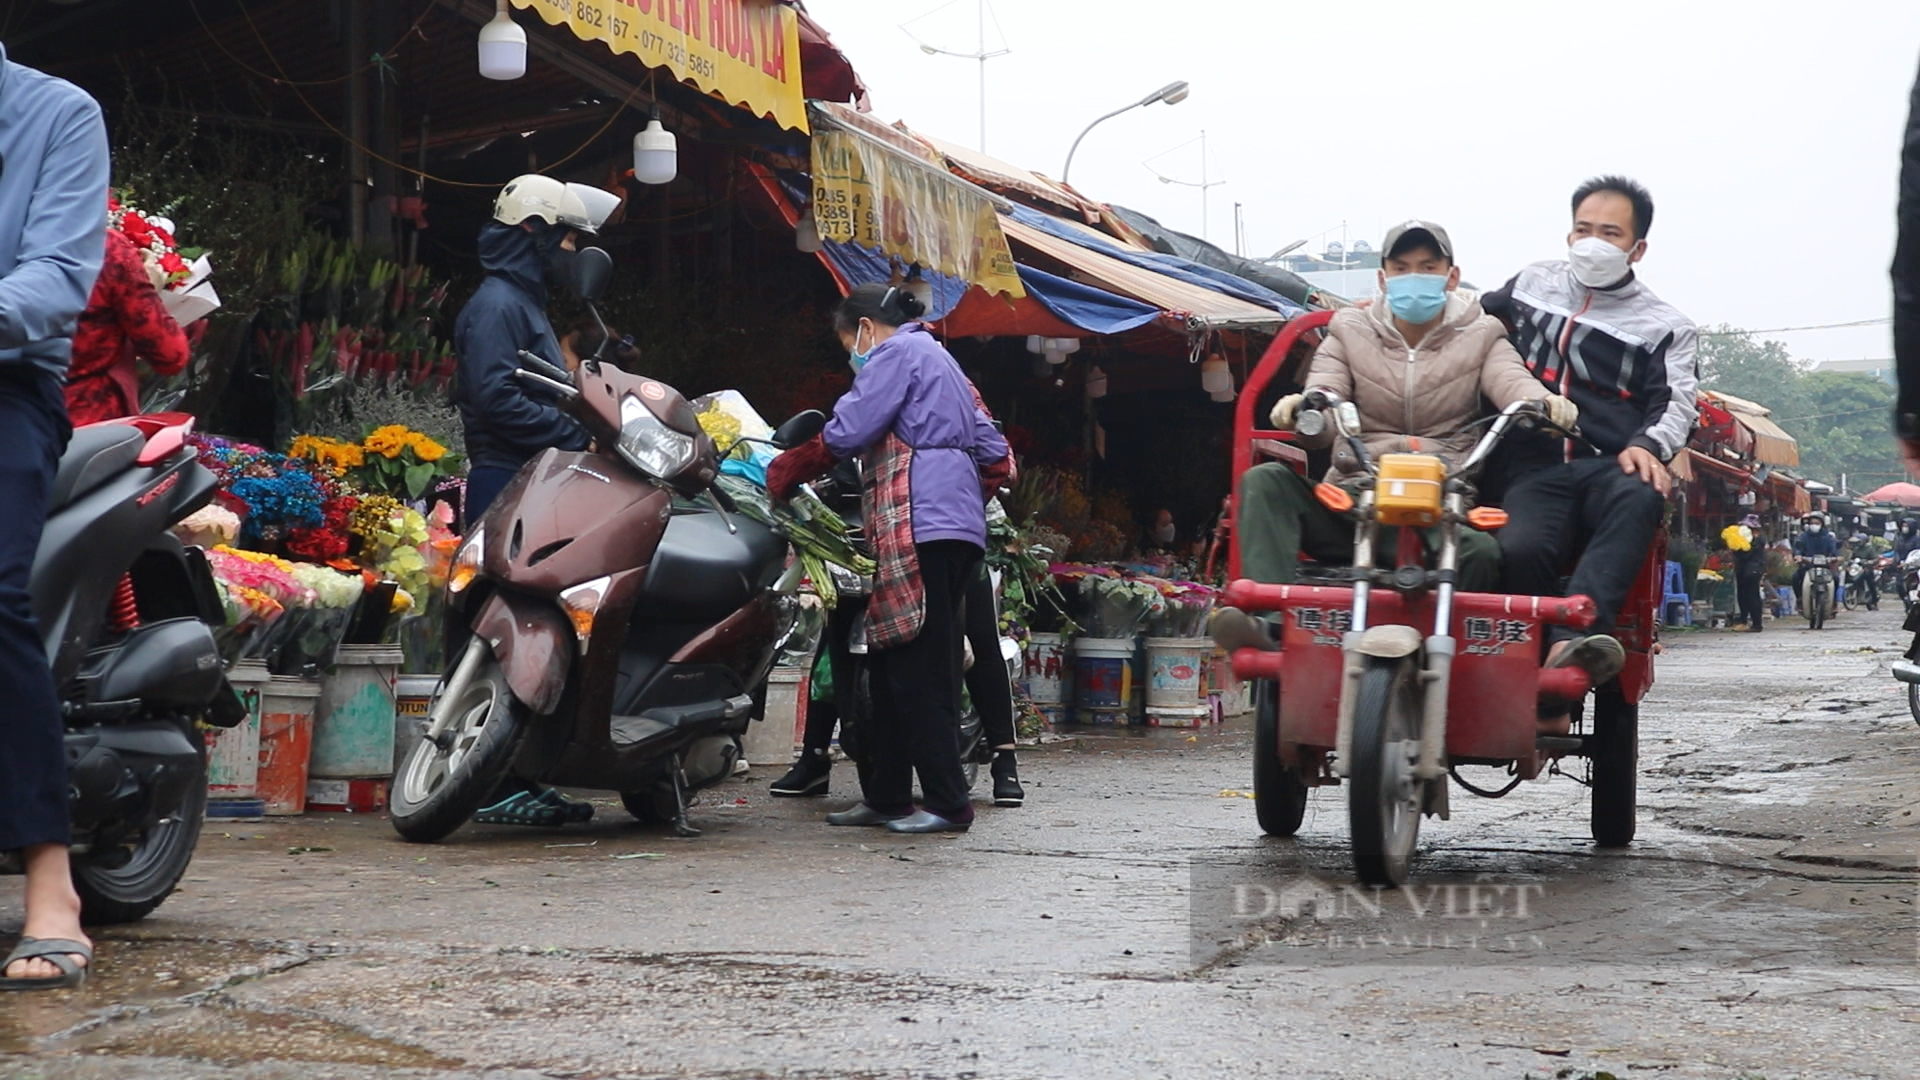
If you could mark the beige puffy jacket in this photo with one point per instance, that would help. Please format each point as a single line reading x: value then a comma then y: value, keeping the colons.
x: 1419, y: 400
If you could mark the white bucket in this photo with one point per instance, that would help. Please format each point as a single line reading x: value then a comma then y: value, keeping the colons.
x: 1190, y: 717
x: 233, y: 754
x: 353, y: 724
x: 770, y: 740
x: 412, y: 697
x: 1049, y: 676
x: 1177, y: 672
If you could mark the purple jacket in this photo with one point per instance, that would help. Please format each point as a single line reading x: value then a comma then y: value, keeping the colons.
x: 912, y: 387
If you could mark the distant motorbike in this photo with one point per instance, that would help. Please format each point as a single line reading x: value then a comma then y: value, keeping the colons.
x: 1859, y: 587
x: 1816, y: 590
x: 1910, y: 580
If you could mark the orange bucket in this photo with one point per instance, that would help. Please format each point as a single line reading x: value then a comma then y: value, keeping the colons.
x: 286, y: 743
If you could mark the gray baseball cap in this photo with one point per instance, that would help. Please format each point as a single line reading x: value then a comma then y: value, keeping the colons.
x: 1401, y: 231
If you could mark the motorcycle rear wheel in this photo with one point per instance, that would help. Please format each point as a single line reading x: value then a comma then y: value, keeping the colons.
x: 1913, y: 701
x: 435, y: 791
x: 130, y: 892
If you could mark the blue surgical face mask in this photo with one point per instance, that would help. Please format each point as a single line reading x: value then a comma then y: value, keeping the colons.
x: 1417, y: 298
x: 855, y: 358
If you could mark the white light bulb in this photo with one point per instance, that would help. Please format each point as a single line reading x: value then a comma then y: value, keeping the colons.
x: 656, y: 155
x: 503, y: 47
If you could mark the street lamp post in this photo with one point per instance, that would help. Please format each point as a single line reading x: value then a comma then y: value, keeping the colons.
x: 1204, y: 185
x: 1173, y: 94
x: 982, y: 55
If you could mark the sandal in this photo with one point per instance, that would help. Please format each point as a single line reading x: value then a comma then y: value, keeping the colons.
x: 56, y: 951
x: 575, y: 810
x: 523, y: 808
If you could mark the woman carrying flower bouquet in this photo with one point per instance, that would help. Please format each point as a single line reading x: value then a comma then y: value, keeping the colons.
x: 125, y: 322
x: 928, y: 453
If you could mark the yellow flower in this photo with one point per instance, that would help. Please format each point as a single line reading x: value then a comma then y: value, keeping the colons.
x: 388, y: 441
x: 426, y: 449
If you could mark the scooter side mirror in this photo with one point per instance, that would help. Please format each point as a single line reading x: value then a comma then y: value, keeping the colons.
x: 801, y: 428
x: 592, y: 270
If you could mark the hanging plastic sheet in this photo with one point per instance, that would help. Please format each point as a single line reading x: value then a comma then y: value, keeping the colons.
x: 1172, y: 266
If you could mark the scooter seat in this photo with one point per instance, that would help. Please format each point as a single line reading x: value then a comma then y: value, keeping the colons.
x: 702, y: 572
x: 95, y: 454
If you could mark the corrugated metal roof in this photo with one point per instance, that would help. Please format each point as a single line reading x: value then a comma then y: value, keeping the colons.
x: 1201, y: 308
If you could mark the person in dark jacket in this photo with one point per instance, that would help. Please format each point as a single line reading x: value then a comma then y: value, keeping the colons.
x: 528, y: 244
x: 1906, y: 293
x: 1814, y: 539
x: 1749, y: 567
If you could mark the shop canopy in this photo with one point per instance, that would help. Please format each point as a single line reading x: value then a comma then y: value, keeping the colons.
x: 1904, y: 494
x: 1771, y: 444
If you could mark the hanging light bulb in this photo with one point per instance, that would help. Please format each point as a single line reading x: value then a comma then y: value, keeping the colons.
x: 656, y: 153
x: 806, y: 234
x: 1096, y: 383
x: 503, y: 46
x: 1215, y: 376
x: 1055, y: 356
x: 1225, y: 396
x: 1036, y: 344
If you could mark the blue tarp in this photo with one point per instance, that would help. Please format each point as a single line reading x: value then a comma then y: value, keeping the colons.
x: 861, y: 266
x: 1172, y: 266
x: 1094, y: 310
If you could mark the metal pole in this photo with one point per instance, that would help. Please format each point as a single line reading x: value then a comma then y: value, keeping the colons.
x: 357, y: 51
x: 983, y: 76
x: 1204, y: 234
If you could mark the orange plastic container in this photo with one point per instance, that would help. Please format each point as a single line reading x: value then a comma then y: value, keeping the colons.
x: 1409, y: 489
x: 286, y: 743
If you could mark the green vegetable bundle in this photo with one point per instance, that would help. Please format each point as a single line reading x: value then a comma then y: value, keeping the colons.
x: 818, y: 535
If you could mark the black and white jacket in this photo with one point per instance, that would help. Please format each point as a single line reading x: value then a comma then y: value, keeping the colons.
x: 1623, y: 355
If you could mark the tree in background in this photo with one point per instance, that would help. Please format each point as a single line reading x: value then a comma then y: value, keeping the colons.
x: 1838, y: 419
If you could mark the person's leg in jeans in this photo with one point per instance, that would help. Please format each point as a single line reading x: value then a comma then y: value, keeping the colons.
x: 992, y: 692
x: 1747, y: 588
x: 1619, y: 515
x: 1279, y: 518
x: 33, y: 757
x: 1542, y: 507
x: 924, y: 676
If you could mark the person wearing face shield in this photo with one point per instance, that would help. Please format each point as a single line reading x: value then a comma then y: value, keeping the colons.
x: 1416, y: 367
x: 528, y: 248
x: 1590, y: 329
x: 1814, y: 539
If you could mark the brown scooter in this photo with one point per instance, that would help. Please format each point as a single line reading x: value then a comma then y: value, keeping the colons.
x: 616, y: 621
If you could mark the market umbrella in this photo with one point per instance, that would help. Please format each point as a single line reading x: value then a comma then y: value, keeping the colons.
x: 1904, y: 494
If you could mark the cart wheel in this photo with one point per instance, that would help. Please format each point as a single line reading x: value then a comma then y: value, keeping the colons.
x: 1913, y: 701
x: 1616, y: 768
x: 1383, y: 809
x: 1279, y: 793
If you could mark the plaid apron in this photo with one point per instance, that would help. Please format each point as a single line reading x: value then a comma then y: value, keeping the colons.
x: 899, y: 603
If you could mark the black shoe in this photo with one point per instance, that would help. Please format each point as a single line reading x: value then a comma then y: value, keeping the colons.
x: 860, y: 814
x: 810, y: 775
x: 926, y: 821
x: 1006, y: 781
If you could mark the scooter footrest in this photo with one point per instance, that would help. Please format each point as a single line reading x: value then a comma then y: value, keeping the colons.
x: 1570, y: 744
x: 666, y: 720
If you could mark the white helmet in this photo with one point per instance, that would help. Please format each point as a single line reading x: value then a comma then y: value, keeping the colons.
x: 572, y: 206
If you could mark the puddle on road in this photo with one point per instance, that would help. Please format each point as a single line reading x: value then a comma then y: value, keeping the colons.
x: 128, y: 973
x: 224, y: 1035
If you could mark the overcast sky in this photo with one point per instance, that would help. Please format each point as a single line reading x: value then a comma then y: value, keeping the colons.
x: 1768, y: 131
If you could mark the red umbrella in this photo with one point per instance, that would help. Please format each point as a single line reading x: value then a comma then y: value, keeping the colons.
x: 1904, y: 494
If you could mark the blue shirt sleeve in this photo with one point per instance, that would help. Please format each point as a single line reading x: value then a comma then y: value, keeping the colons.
x: 65, y: 238
x: 864, y: 414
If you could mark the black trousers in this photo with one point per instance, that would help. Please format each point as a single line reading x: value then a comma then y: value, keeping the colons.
x: 33, y: 756
x: 1746, y: 589
x: 916, y: 695
x: 987, y: 681
x: 1552, y: 509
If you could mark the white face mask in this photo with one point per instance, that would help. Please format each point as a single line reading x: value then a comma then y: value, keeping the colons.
x: 1597, y: 263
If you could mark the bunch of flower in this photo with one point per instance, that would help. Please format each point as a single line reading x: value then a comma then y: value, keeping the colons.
x: 150, y: 234
x: 392, y: 538
x: 252, y: 570
x: 1188, y: 605
x: 210, y: 526
x: 226, y: 459
x: 337, y: 455
x: 332, y: 589
x: 400, y: 461
x: 330, y: 540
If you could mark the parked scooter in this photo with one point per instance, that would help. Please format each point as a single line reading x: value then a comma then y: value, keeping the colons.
x: 1816, y: 590
x: 611, y: 619
x: 127, y: 613
x: 1910, y: 580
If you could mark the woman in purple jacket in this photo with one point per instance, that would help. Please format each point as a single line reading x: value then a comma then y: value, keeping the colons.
x: 928, y: 452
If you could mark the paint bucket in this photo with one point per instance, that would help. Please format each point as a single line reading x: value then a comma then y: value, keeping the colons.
x: 353, y: 725
x: 1102, y: 674
x: 1049, y: 677
x: 771, y: 739
x: 233, y: 754
x: 1190, y: 716
x: 1176, y: 672
x: 412, y: 698
x: 286, y: 742
x: 346, y: 796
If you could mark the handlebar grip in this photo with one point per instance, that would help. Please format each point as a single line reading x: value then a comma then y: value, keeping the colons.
x: 541, y: 367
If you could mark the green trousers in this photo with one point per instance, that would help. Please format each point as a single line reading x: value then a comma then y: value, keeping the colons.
x: 1280, y: 518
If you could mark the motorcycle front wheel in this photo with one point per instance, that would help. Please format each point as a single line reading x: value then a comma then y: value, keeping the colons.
x: 439, y: 787
x: 129, y: 891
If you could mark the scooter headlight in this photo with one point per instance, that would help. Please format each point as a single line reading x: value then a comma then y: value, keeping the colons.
x: 649, y: 445
x: 466, y: 562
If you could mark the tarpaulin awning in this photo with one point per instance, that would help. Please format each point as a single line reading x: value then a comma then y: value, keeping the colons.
x: 1771, y: 444
x: 1053, y: 307
x: 1790, y: 495
x: 1171, y: 266
x: 745, y: 51
x: 1285, y: 282
x: 887, y: 192
x: 1692, y: 463
x: 991, y: 172
x: 1201, y: 308
x: 827, y: 75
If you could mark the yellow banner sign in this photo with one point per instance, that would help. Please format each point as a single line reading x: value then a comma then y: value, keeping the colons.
x: 916, y: 212
x: 746, y: 51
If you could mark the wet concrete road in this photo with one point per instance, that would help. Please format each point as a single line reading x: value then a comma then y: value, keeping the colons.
x: 1130, y: 921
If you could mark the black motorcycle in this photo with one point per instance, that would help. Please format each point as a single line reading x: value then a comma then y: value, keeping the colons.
x: 127, y: 613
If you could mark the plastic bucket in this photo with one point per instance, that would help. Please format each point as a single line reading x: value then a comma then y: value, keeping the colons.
x: 770, y: 740
x: 233, y: 754
x: 1048, y: 676
x: 1102, y: 674
x: 353, y: 725
x: 1177, y: 672
x: 412, y: 697
x: 1192, y: 716
x: 286, y: 742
